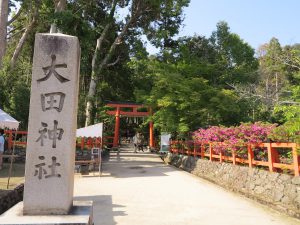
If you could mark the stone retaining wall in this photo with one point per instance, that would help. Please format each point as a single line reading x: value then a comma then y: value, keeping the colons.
x: 11, y: 198
x: 279, y: 191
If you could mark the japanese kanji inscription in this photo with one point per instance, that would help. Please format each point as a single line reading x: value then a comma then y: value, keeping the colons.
x: 54, y: 100
x: 54, y: 134
x: 49, y: 70
x: 40, y: 170
x: 52, y: 125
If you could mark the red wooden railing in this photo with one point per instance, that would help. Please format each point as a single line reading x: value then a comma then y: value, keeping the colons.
x: 88, y: 143
x: 206, y: 150
x: 21, y: 138
x: 83, y: 143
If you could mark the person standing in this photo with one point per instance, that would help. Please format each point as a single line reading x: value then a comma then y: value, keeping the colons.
x: 134, y: 139
x: 2, y: 142
x: 140, y: 142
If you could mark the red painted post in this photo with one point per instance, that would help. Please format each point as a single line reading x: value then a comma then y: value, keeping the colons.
x: 233, y: 157
x: 210, y: 152
x: 202, y: 150
x: 151, y: 135
x: 250, y: 156
x: 10, y: 139
x: 101, y: 142
x: 221, y: 157
x: 275, y: 155
x: 270, y: 157
x: 296, y: 160
x: 117, y: 127
x: 195, y: 149
x: 151, y: 131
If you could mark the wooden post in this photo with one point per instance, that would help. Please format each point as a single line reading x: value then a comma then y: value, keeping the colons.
x: 210, y: 152
x: 117, y: 127
x: 151, y: 134
x: 250, y: 156
x: 195, y: 149
x: 270, y: 157
x: 296, y: 160
x: 10, y: 139
x: 101, y: 142
x: 233, y: 157
x: 221, y: 155
x: 151, y: 131
x: 275, y: 155
x: 202, y: 150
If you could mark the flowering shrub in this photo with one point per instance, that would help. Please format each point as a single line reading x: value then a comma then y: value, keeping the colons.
x: 234, y: 138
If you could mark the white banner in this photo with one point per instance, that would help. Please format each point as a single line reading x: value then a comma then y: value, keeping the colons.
x: 91, y: 131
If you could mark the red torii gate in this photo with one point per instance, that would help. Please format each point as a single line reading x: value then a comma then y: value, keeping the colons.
x: 117, y: 112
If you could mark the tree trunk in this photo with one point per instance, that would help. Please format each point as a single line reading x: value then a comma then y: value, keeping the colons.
x: 93, y: 83
x: 3, y: 28
x: 60, y: 6
x: 24, y: 37
x: 92, y: 87
x: 21, y: 43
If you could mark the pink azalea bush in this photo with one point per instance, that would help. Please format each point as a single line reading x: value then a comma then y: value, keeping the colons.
x: 234, y: 138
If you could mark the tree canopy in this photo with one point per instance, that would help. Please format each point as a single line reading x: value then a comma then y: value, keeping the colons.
x: 192, y: 82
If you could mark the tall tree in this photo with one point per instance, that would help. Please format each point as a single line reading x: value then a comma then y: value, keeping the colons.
x: 145, y: 16
x: 60, y: 6
x: 33, y: 13
x: 235, y: 58
x: 3, y: 28
x: 272, y: 73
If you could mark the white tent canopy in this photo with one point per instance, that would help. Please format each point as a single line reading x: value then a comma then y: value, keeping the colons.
x: 90, y: 131
x: 6, y: 121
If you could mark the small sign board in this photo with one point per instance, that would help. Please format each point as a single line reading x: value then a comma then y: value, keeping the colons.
x: 165, y: 143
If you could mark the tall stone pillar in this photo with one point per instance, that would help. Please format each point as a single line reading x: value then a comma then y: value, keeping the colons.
x: 49, y: 175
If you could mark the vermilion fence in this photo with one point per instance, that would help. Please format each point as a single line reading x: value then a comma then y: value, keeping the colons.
x: 272, y: 160
x: 82, y: 143
x: 20, y: 140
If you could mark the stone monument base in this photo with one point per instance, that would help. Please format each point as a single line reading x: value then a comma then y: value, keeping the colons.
x: 80, y: 214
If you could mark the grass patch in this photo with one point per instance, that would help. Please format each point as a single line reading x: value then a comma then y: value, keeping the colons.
x: 17, y: 175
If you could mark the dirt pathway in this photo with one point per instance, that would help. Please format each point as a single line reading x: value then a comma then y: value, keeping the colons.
x: 139, y: 189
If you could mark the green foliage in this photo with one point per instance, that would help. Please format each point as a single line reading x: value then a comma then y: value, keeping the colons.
x: 234, y: 58
x: 187, y: 86
x: 285, y: 133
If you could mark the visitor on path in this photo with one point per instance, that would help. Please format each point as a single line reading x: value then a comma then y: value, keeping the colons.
x: 2, y: 142
x: 134, y: 140
x: 140, y: 142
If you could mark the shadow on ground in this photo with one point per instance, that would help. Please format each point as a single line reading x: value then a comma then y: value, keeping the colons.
x: 104, y: 210
x: 127, y: 164
x: 17, y: 175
